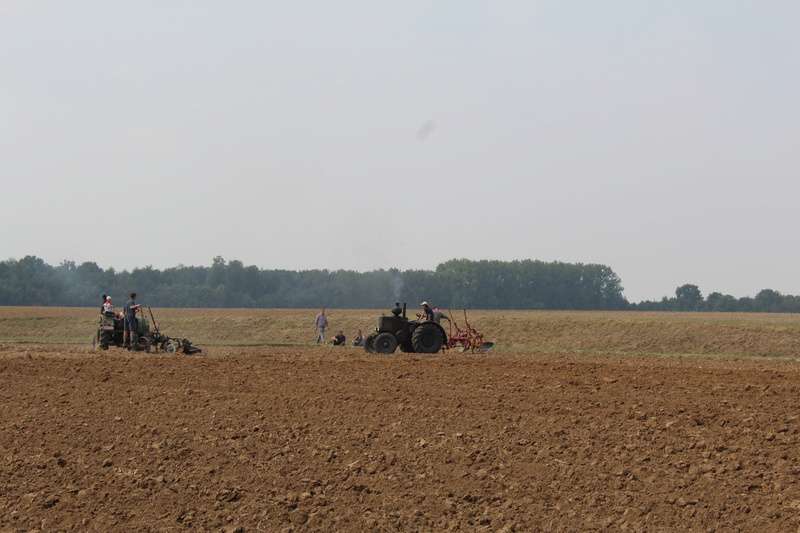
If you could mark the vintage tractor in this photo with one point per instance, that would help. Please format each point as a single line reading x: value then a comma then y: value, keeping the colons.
x: 412, y: 336
x: 110, y: 331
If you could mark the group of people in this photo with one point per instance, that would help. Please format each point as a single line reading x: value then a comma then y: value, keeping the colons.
x: 128, y: 317
x: 339, y: 339
x: 432, y: 313
x: 321, y: 322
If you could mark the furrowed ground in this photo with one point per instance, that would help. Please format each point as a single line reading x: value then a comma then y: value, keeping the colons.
x: 576, y: 422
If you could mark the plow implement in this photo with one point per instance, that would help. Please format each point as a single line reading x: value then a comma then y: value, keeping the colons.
x: 466, y: 339
x: 157, y: 340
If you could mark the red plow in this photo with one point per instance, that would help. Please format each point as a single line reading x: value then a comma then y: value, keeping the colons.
x: 466, y: 339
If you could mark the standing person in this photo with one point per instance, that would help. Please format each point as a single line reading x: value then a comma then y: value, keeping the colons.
x: 427, y: 312
x: 103, y: 307
x: 320, y: 324
x: 438, y: 315
x: 129, y: 322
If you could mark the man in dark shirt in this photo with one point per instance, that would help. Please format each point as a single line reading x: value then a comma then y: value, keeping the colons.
x: 338, y: 340
x: 129, y: 322
x: 427, y: 312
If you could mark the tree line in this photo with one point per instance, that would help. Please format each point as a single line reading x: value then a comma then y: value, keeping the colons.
x: 689, y: 298
x: 454, y: 284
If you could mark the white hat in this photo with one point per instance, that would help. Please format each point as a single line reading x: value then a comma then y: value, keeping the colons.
x: 424, y: 303
x: 108, y: 297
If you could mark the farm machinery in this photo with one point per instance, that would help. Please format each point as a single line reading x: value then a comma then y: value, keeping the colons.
x: 420, y: 336
x: 169, y: 345
x: 467, y: 338
x: 110, y: 332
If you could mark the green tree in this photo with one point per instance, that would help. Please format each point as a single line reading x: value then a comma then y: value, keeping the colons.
x: 726, y: 303
x: 768, y: 301
x: 688, y: 297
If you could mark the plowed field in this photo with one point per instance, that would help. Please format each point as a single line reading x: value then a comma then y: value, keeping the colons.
x: 316, y: 438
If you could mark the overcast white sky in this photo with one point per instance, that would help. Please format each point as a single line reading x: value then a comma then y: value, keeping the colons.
x: 659, y: 138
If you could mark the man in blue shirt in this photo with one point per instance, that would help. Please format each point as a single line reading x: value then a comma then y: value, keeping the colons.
x: 129, y: 322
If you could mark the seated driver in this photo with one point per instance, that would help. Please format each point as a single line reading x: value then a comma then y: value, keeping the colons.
x: 427, y: 312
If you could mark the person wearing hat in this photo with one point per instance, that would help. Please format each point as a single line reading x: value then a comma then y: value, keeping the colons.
x: 107, y: 305
x: 427, y: 312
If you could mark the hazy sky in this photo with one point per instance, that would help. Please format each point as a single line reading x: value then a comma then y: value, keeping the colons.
x: 658, y: 138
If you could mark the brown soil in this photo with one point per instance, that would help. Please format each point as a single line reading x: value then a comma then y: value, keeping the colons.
x: 307, y: 438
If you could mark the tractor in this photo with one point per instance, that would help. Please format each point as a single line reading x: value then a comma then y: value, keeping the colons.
x: 110, y: 331
x: 412, y: 336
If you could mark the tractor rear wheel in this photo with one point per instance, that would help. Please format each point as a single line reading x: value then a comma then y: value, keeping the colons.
x: 427, y: 339
x: 369, y: 343
x: 385, y: 343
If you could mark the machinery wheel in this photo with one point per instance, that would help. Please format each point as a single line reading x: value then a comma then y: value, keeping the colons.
x: 169, y: 348
x: 142, y: 344
x: 401, y: 336
x: 427, y: 339
x: 102, y: 339
x: 369, y: 343
x: 385, y: 343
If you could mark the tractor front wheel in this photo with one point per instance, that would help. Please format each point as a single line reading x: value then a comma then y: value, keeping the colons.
x: 103, y: 340
x: 385, y: 343
x: 369, y: 343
